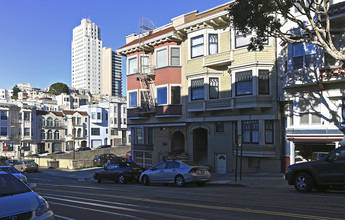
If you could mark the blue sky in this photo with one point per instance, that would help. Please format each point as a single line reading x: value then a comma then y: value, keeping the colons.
x: 35, y: 36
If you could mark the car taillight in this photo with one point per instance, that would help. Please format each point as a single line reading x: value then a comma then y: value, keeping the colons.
x: 209, y: 170
x: 193, y: 170
x: 26, y: 165
x: 99, y: 160
x: 36, y: 165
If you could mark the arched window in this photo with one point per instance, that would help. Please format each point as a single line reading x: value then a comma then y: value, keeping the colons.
x: 79, y: 132
x: 50, y: 122
x: 57, y: 123
x: 56, y: 135
x: 43, y: 135
x: 50, y: 135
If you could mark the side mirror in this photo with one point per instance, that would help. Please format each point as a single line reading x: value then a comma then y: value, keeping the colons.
x: 33, y: 186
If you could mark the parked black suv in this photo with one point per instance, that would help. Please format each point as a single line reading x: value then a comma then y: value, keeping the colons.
x: 328, y: 171
x: 102, y: 159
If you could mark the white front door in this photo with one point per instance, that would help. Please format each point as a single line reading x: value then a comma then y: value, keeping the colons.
x: 221, y: 163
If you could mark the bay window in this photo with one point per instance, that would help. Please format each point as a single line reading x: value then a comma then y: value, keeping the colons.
x: 197, y: 89
x: 269, y: 132
x: 175, y: 56
x: 175, y: 95
x: 212, y: 44
x: 244, y: 83
x: 304, y: 55
x: 197, y: 46
x: 162, y: 96
x: 161, y: 58
x: 133, y: 99
x: 132, y: 65
x: 250, y: 131
x: 264, y: 85
x: 242, y: 40
x: 213, y: 88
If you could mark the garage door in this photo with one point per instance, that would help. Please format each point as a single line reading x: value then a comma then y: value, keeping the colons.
x: 95, y: 143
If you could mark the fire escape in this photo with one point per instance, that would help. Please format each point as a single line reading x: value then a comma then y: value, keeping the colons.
x: 146, y: 73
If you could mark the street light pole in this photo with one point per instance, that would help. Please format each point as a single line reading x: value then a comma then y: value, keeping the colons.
x: 73, y: 133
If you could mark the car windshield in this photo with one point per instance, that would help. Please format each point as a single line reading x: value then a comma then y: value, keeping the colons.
x: 29, y: 162
x: 9, y: 169
x: 10, y: 185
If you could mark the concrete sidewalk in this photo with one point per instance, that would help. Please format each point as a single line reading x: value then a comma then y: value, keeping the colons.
x: 258, y: 180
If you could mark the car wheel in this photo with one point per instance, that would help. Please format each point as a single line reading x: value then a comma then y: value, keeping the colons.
x: 146, y: 180
x: 200, y: 183
x: 303, y: 182
x: 179, y: 181
x: 122, y: 179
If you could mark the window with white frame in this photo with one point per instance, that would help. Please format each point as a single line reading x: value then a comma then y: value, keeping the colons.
x: 26, y: 132
x: 244, y: 83
x: 95, y: 131
x: 213, y: 88
x: 264, y: 82
x: 3, y: 115
x: 197, y: 89
x: 212, y: 44
x: 197, y: 46
x: 56, y: 135
x: 304, y: 55
x: 132, y: 65
x: 309, y: 111
x: 269, y: 132
x: 242, y: 40
x: 144, y: 64
x: 43, y: 135
x: 161, y: 58
x: 175, y: 56
x: 250, y: 131
x: 175, y: 95
x: 133, y: 97
x: 162, y: 95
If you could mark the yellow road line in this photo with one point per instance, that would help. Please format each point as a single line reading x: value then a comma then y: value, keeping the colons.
x: 245, y: 210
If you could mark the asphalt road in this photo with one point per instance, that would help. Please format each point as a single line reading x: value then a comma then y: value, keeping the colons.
x: 73, y: 199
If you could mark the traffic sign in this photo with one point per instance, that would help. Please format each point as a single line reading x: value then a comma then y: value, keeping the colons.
x: 5, y: 148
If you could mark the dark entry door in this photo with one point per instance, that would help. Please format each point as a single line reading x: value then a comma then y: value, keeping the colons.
x: 200, y: 145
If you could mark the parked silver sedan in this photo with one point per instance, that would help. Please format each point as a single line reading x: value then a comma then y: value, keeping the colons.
x: 178, y: 172
x: 27, y: 166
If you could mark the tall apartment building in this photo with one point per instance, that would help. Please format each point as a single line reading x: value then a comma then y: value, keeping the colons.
x: 111, y: 73
x: 87, y: 56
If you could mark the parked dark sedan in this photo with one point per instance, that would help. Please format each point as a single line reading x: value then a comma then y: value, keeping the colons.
x: 102, y: 159
x: 119, y: 173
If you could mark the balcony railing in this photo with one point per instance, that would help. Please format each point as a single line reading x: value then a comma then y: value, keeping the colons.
x: 230, y: 103
x: 168, y: 111
x: 138, y: 113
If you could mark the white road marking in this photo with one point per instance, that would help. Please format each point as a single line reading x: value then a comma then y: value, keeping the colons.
x: 87, y: 199
x: 96, y: 210
x: 63, y: 217
x: 116, y: 207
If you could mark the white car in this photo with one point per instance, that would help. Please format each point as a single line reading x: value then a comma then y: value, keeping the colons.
x: 18, y: 201
x: 179, y: 172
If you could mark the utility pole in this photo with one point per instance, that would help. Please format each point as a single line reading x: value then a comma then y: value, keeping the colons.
x: 73, y: 133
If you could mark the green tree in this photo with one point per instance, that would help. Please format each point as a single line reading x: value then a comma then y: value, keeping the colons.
x: 15, y: 91
x: 58, y: 88
x: 267, y: 18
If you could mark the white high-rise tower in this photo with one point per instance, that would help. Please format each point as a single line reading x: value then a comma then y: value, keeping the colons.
x: 87, y: 57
